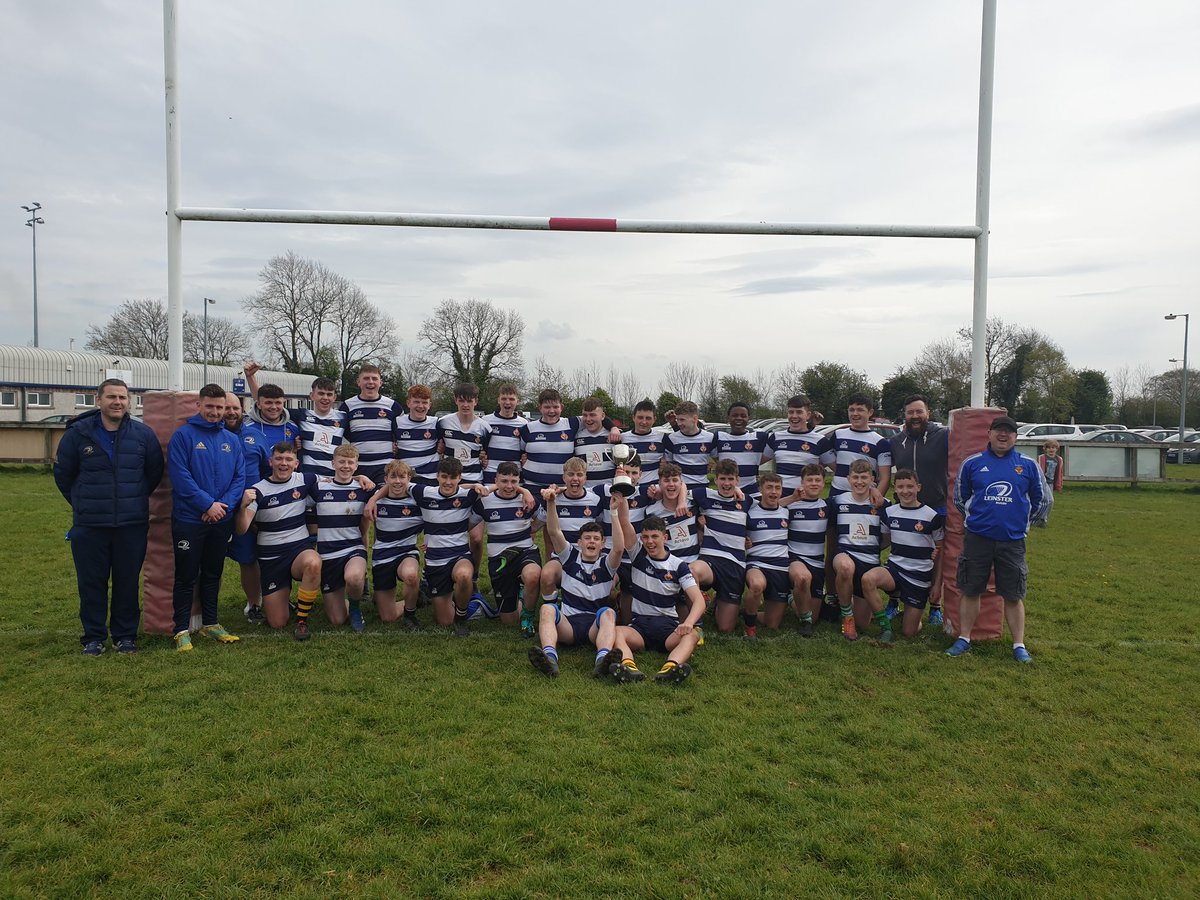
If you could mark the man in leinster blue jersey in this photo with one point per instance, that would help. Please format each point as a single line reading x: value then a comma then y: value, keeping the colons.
x: 583, y: 614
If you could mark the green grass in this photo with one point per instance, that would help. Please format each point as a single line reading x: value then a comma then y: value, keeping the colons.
x: 390, y: 764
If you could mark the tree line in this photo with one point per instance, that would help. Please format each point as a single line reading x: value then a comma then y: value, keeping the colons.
x: 305, y: 318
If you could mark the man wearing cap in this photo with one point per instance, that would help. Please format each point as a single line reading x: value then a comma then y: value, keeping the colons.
x: 999, y: 492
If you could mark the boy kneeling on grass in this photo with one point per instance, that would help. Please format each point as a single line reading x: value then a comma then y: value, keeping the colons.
x: 582, y: 614
x: 859, y: 532
x: 915, y: 533
x: 659, y: 578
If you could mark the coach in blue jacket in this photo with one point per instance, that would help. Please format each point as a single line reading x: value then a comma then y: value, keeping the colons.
x: 207, y: 471
x: 999, y: 492
x: 107, y: 466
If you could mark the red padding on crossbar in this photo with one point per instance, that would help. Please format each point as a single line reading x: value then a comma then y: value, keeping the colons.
x: 566, y: 223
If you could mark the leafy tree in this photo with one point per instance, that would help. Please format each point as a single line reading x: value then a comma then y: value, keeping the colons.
x: 901, y: 385
x: 1093, y: 396
x: 666, y: 401
x: 829, y: 384
x: 737, y: 389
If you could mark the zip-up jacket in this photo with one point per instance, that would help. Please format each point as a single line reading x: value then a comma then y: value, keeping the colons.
x: 926, y: 454
x: 206, y: 466
x: 108, y: 491
x: 1000, y: 496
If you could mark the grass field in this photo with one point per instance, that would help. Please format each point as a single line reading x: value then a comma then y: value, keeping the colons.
x: 388, y: 764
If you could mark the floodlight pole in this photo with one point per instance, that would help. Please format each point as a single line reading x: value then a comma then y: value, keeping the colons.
x: 174, y: 223
x: 983, y: 181
x: 1183, y: 387
x: 34, y: 221
x: 207, y: 301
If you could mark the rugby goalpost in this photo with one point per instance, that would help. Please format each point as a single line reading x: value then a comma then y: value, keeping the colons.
x: 167, y: 409
x: 178, y: 214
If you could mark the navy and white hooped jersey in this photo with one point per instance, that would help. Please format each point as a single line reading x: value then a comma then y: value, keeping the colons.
x: 320, y: 435
x: 547, y: 448
x: 859, y: 527
x: 792, y: 451
x: 585, y: 586
x: 649, y: 449
x: 657, y: 584
x: 574, y: 512
x: 767, y: 530
x: 465, y: 443
x: 747, y: 451
x: 914, y: 533
x: 692, y: 454
x: 507, y: 522
x: 279, y: 515
x: 416, y: 444
x: 505, y: 445
x: 808, y: 523
x: 683, y: 535
x: 397, y: 523
x: 370, y: 425
x: 447, y: 521
x: 594, y: 450
x: 638, y: 503
x: 845, y: 445
x: 339, y: 516
x: 724, y: 524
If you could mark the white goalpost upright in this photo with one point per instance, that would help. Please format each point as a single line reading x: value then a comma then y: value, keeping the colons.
x: 177, y: 214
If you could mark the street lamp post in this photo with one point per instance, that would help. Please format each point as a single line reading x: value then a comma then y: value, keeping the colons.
x: 34, y: 221
x: 1183, y: 388
x: 207, y: 301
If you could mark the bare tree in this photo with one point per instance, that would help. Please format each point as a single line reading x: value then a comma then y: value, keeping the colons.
x: 361, y: 330
x: 138, y: 328
x: 585, y: 380
x: 680, y: 379
x: 472, y: 340
x: 764, y: 382
x: 708, y: 396
x: 283, y: 310
x: 625, y: 386
x: 545, y: 376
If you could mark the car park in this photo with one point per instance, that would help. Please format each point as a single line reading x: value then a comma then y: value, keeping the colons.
x: 1169, y: 434
x: 1059, y: 432
x: 1116, y: 437
x: 1191, y: 450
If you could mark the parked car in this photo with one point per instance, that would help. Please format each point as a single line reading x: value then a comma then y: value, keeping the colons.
x: 884, y: 429
x: 1191, y: 450
x: 1053, y: 430
x: 60, y: 419
x: 1116, y: 437
x: 1169, y: 434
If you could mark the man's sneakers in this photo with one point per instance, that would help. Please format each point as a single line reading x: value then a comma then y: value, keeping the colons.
x: 1021, y: 655
x: 183, y: 642
x: 959, y: 647
x: 751, y: 631
x: 543, y: 662
x: 886, y: 636
x: 93, y: 648
x: 219, y: 634
x: 356, y: 619
x: 806, y: 629
x: 301, y: 632
x: 461, y: 628
x: 673, y: 672
x: 603, y: 662
x: 126, y: 645
x: 409, y: 621
x: 528, y: 623
x: 935, y: 617
x: 849, y: 632
x: 626, y: 671
x: 892, y: 609
x: 254, y: 614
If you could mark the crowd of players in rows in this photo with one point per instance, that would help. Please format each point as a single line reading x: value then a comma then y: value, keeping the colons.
x: 624, y: 570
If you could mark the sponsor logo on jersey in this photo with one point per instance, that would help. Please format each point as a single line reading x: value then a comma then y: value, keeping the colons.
x: 274, y: 501
x: 1000, y: 492
x: 184, y: 546
x: 327, y: 496
x: 495, y: 517
x: 200, y: 445
x: 89, y: 450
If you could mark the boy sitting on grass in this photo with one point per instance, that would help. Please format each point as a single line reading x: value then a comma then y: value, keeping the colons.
x: 658, y: 581
x: 582, y: 614
x: 915, y: 533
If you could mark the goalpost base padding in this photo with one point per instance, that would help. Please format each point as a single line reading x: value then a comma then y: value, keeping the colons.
x: 968, y: 435
x: 164, y: 412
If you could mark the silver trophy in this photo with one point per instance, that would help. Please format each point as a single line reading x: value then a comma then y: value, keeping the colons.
x: 623, y: 455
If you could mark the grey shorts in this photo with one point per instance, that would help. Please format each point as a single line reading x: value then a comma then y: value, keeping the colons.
x: 980, y: 555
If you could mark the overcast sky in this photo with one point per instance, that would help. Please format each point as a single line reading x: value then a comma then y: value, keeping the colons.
x: 849, y: 112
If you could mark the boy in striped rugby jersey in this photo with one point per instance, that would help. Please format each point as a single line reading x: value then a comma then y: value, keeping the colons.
x: 342, y: 538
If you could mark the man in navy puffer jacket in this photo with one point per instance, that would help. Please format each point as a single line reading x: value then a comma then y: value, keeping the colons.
x: 107, y: 466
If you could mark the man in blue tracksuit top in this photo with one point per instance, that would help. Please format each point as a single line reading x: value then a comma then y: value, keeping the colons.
x: 207, y: 477
x: 107, y: 466
x: 999, y: 492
